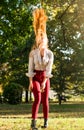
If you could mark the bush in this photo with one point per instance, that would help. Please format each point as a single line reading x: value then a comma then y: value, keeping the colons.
x: 13, y: 93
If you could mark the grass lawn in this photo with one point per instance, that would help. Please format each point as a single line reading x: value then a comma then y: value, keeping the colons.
x: 64, y: 117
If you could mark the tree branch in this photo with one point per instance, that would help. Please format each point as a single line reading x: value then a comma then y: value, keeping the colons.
x: 63, y: 30
x: 66, y: 9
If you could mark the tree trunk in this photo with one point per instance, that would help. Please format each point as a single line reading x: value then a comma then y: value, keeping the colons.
x: 30, y: 96
x: 59, y: 99
x: 26, y: 96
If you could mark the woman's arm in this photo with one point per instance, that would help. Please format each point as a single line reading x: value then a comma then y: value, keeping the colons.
x: 30, y: 84
x: 49, y: 65
x: 43, y: 84
x: 31, y: 70
x: 48, y: 71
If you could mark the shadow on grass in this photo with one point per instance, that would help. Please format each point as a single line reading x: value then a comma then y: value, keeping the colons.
x: 56, y: 111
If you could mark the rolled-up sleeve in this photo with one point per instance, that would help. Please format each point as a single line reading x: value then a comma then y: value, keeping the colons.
x: 49, y: 66
x: 31, y: 66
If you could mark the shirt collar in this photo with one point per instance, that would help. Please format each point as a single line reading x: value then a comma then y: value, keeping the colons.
x: 45, y: 58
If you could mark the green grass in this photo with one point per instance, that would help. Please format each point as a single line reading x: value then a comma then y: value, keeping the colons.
x: 54, y: 124
x: 64, y: 117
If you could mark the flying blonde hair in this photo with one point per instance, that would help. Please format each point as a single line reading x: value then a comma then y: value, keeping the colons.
x: 39, y: 24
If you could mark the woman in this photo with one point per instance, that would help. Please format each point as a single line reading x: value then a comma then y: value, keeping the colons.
x: 40, y: 67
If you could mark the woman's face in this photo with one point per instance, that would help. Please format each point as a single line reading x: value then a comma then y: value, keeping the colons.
x: 41, y: 39
x: 43, y: 42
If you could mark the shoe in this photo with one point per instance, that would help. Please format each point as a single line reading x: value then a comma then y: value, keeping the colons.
x: 33, y: 125
x: 45, y: 124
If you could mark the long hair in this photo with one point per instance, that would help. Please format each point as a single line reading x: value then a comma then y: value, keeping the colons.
x: 39, y: 24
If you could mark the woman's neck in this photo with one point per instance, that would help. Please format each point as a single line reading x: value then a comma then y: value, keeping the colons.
x: 42, y: 52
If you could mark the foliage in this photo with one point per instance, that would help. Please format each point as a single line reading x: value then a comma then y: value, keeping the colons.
x: 15, y: 43
x: 66, y: 41
x: 13, y: 93
x: 65, y: 29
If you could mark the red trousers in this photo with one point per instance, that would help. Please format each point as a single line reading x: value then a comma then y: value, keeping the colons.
x: 40, y: 97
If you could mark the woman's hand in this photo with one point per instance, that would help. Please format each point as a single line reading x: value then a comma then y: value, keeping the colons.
x: 43, y: 85
x: 30, y: 86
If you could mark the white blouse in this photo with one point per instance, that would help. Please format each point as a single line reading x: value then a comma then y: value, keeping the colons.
x: 38, y: 63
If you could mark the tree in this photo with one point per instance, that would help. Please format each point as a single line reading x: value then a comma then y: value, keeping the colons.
x: 66, y: 41
x: 16, y: 39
